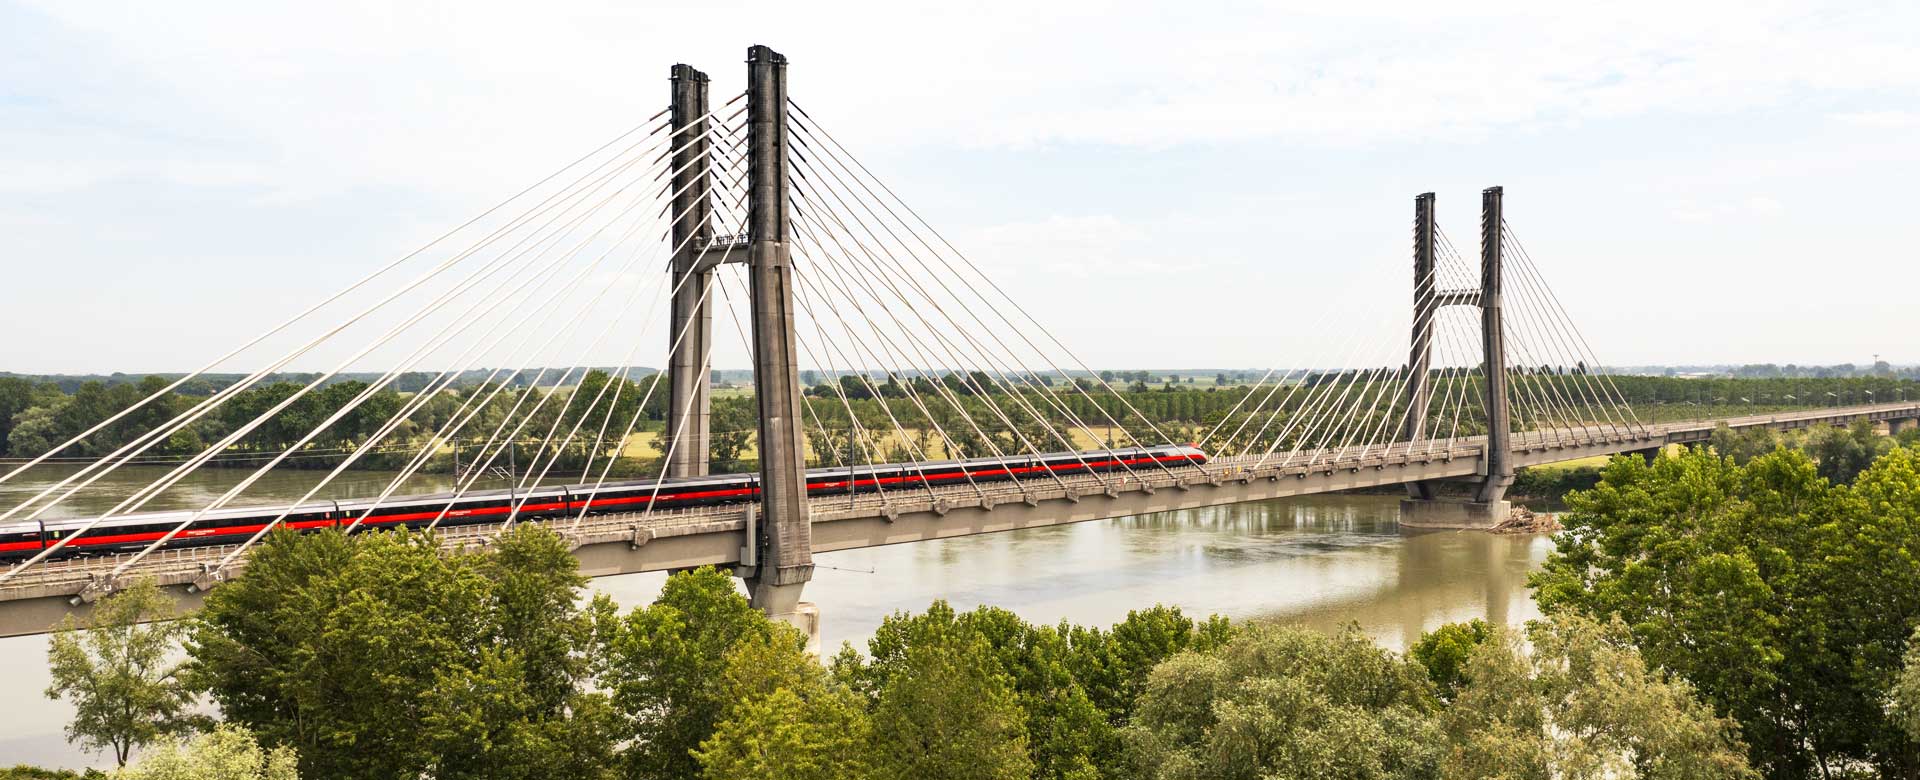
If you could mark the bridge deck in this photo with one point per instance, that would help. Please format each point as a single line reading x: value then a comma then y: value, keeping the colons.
x: 672, y: 539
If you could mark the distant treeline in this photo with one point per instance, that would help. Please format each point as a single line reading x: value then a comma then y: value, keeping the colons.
x: 852, y: 420
x: 1880, y: 368
x: 409, y: 382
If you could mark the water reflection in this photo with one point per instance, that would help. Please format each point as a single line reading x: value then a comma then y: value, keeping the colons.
x: 1324, y: 561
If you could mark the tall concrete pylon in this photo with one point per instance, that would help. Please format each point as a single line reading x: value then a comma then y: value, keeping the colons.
x: 784, y: 562
x: 1420, y: 357
x: 1423, y: 508
x: 1493, y: 345
x: 690, y: 331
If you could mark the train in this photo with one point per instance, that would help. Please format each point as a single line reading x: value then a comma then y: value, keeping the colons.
x: 132, y: 532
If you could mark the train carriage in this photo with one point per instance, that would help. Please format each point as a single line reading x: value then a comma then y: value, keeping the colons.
x: 20, y: 539
x: 232, y: 525
x: 221, y: 526
x: 480, y: 506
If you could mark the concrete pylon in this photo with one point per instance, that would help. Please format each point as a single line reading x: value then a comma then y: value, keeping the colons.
x: 1488, y: 507
x: 785, y: 559
x: 1499, y: 453
x: 1419, y: 358
x: 690, y: 331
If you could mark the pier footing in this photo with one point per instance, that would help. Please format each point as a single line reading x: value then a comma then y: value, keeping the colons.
x: 1440, y: 513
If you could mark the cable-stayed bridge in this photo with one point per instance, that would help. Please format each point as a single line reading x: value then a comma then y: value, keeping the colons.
x: 944, y: 408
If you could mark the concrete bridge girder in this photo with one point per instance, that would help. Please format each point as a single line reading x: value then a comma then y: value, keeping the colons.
x: 671, y: 542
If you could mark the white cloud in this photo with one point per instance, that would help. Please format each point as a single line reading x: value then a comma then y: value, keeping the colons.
x: 415, y: 116
x: 332, y: 95
x: 1882, y: 120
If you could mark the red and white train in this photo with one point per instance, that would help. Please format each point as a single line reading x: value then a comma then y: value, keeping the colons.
x: 130, y: 532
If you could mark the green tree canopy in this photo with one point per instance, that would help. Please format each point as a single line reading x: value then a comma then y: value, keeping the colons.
x: 1444, y: 651
x: 378, y: 655
x: 667, y: 665
x: 227, y: 752
x: 117, y: 670
x: 946, y: 711
x: 789, y: 720
x: 1784, y: 599
x: 1286, y: 702
x: 1582, y: 706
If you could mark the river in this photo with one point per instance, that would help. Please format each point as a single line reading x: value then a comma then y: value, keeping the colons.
x: 1324, y: 561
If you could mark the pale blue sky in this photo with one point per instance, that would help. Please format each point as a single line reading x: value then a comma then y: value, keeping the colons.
x: 1704, y: 182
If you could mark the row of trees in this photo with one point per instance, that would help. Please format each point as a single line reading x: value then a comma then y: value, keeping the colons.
x: 380, y: 656
x: 1707, y: 613
x: 959, y: 415
x: 1839, y: 455
x: 36, y: 418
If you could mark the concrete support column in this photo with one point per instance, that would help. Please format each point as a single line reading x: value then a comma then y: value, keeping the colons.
x: 1895, y: 425
x: 785, y: 560
x: 690, y: 332
x: 1494, y: 346
x: 1419, y: 357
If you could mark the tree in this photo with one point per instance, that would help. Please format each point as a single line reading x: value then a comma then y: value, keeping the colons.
x: 37, y: 429
x: 1584, y: 706
x: 116, y: 671
x: 1745, y: 444
x: 1782, y: 599
x: 1114, y: 665
x: 786, y: 736
x: 788, y: 719
x: 1844, y: 453
x: 734, y: 423
x: 1444, y: 651
x: 228, y: 752
x: 1286, y: 702
x: 1904, y: 701
x: 666, y: 666
x: 378, y: 655
x: 1068, y: 736
x: 518, y: 707
x: 16, y: 396
x: 948, y: 713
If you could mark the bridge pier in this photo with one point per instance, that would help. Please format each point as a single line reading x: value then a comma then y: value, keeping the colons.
x: 1442, y: 513
x: 1895, y: 425
x: 785, y: 534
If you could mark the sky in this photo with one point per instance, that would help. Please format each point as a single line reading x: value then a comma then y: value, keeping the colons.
x: 1163, y: 185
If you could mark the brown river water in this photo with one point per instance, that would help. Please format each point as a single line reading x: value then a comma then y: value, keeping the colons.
x: 1324, y: 561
